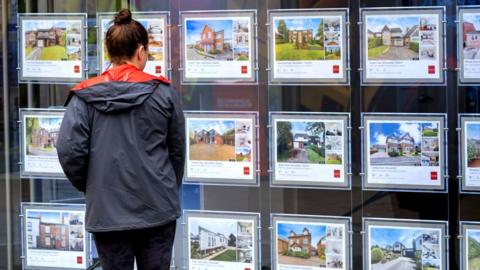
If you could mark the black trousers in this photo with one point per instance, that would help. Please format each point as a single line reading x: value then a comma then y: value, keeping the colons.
x: 151, y: 247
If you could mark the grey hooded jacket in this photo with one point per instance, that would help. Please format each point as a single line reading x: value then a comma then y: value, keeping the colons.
x: 122, y: 143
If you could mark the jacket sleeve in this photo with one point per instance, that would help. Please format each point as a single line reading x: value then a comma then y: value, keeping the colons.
x: 176, y: 137
x: 73, y: 144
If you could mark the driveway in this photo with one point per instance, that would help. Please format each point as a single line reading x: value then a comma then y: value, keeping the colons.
x: 35, y: 54
x: 395, y: 161
x: 398, y: 53
x: 397, y: 264
x: 301, y: 157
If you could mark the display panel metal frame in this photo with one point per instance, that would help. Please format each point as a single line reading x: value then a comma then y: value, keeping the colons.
x: 255, y: 217
x: 300, y: 13
x: 165, y: 15
x: 23, y: 112
x: 462, y: 145
x: 327, y: 220
x: 192, y: 14
x: 460, y: 59
x: 52, y: 17
x: 25, y: 206
x: 465, y: 226
x: 442, y: 52
x: 344, y: 117
x: 215, y: 115
x: 443, y: 155
x: 406, y: 223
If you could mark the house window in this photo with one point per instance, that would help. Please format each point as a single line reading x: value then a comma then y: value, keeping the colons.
x: 209, y: 35
x: 47, y: 229
x: 47, y: 241
x: 305, y: 241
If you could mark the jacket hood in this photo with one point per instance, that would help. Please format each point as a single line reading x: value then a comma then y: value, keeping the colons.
x: 118, y: 88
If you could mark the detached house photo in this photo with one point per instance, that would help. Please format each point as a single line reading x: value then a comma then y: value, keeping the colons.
x: 303, y: 244
x: 393, y: 38
x: 52, y: 40
x: 42, y: 135
x: 210, y: 39
x: 471, y: 36
x: 212, y: 140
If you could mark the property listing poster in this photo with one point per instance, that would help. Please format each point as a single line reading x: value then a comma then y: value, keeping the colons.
x: 52, y: 49
x: 221, y: 148
x: 471, y: 246
x: 216, y: 243
x: 308, y: 47
x: 404, y: 154
x: 155, y: 24
x: 55, y: 239
x: 405, y: 247
x: 218, y: 47
x: 403, y: 46
x: 469, y: 44
x: 309, y: 150
x: 310, y: 246
x: 471, y: 153
x: 40, y: 135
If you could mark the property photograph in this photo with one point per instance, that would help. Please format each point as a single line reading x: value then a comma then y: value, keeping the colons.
x: 393, y: 37
x: 473, y: 245
x: 403, y: 248
x: 430, y: 144
x: 333, y: 128
x: 334, y: 158
x: 48, y: 230
x: 155, y: 30
x: 471, y: 36
x: 209, y: 39
x: 41, y: 135
x: 221, y: 240
x: 212, y: 140
x: 395, y: 143
x: 333, y: 143
x: 332, y: 53
x: 301, y: 244
x: 52, y: 40
x: 472, y: 145
x: 335, y: 261
x: 428, y: 53
x: 300, y: 141
x: 300, y: 39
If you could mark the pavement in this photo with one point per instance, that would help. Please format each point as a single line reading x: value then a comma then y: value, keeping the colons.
x: 401, y: 263
x: 398, y: 53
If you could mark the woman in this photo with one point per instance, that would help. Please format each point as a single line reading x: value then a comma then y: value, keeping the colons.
x: 122, y: 142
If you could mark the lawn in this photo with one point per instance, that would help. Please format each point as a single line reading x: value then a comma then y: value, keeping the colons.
x: 377, y: 51
x: 474, y: 264
x: 242, y: 58
x: 429, y: 133
x: 53, y: 53
x: 314, y: 157
x: 287, y: 52
x: 227, y: 256
x: 28, y: 50
x: 332, y: 161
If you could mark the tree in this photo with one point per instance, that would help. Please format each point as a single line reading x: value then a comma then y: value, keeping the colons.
x: 232, y: 240
x: 283, y: 30
x: 377, y: 255
x: 316, y: 128
x: 320, y: 34
x: 471, y: 151
x: 284, y: 136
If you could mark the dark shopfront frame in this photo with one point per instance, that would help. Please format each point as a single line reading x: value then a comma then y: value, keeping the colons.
x: 450, y: 99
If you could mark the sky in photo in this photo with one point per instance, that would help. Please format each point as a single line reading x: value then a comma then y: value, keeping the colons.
x: 375, y: 23
x: 380, y: 131
x: 474, y: 234
x: 47, y: 216
x: 195, y: 26
x: 29, y: 25
x: 301, y: 24
x: 317, y: 231
x: 472, y: 18
x: 473, y: 131
x: 383, y: 236
x: 299, y: 126
x: 216, y: 225
x: 218, y: 125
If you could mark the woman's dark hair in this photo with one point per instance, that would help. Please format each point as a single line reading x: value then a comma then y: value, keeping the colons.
x: 124, y: 37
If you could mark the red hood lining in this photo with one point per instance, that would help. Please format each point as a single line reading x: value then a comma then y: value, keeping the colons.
x: 125, y: 73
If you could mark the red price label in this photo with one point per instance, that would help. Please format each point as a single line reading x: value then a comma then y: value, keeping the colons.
x: 158, y: 69
x: 244, y: 69
x: 336, y: 69
x: 433, y: 176
x: 336, y: 173
x: 246, y: 170
x: 431, y: 69
x: 76, y: 69
x: 79, y: 259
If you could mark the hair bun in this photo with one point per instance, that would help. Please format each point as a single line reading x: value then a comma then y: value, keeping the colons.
x: 124, y: 16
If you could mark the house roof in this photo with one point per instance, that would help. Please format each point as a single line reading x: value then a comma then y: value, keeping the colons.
x: 411, y: 31
x: 396, y: 30
x: 385, y: 28
x: 371, y: 32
